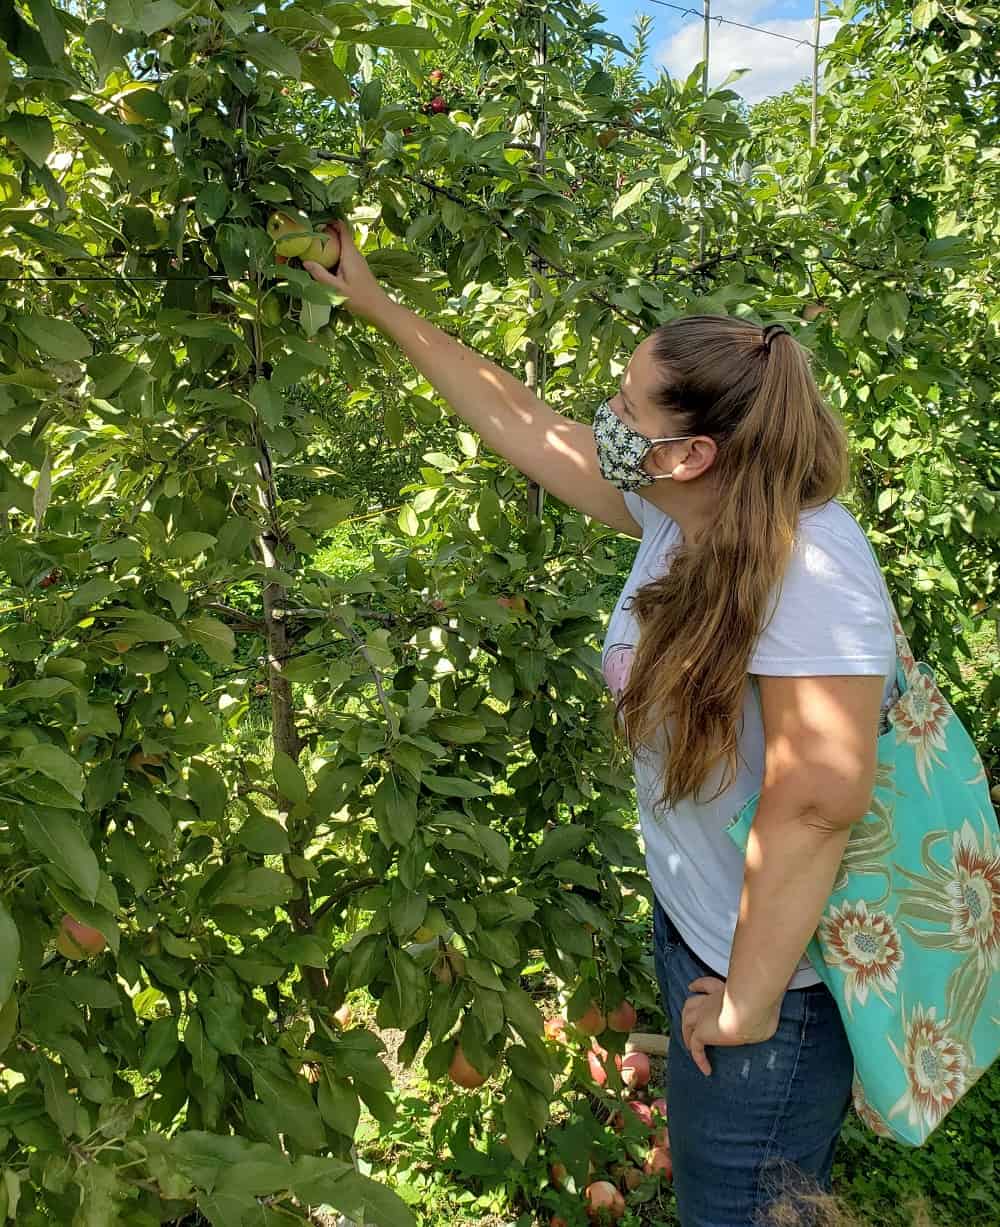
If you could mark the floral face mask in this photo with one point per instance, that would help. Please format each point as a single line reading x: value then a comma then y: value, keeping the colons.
x: 621, y: 450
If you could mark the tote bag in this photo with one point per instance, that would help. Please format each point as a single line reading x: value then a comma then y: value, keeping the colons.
x: 909, y: 942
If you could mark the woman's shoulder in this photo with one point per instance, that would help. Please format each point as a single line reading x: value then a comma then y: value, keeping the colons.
x: 830, y: 527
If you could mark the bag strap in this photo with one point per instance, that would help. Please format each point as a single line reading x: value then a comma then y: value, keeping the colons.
x: 904, y: 652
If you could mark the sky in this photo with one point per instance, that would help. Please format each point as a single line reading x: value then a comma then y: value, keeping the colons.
x: 676, y: 40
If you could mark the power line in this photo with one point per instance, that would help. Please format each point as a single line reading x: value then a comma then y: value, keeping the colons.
x: 799, y: 42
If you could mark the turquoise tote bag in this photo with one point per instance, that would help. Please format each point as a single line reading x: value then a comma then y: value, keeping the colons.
x: 909, y: 943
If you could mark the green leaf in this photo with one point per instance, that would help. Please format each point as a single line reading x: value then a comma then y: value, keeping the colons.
x: 162, y: 1042
x: 108, y: 47
x: 204, y: 1058
x: 319, y: 1181
x: 258, y: 889
x: 288, y: 1101
x: 59, y: 1103
x: 56, y: 764
x: 32, y: 134
x: 849, y: 320
x: 189, y: 545
x: 521, y: 1132
x: 57, y: 338
x: 57, y: 837
x: 523, y: 1015
x: 142, y: 626
x: 924, y: 13
x: 270, y: 52
x: 263, y: 835
x: 157, y: 15
x: 289, y: 779
x: 10, y: 954
x: 452, y: 786
x: 321, y: 71
x: 338, y: 1104
x: 146, y: 807
x: 416, y: 37
x: 85, y: 989
x: 394, y: 805
x: 325, y: 511
x: 463, y: 730
x: 559, y: 843
x: 8, y: 1024
x: 631, y: 197
x: 103, y: 784
x: 217, y: 639
x: 406, y: 998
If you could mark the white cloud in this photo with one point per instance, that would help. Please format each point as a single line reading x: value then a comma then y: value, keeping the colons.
x: 776, y: 65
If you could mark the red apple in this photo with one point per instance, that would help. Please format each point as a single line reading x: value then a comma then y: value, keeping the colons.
x: 597, y: 1070
x: 604, y: 1203
x: 660, y: 1163
x: 622, y: 1017
x: 435, y: 75
x: 635, y: 1069
x: 557, y: 1221
x: 642, y: 1111
x: 78, y: 941
x: 659, y: 1106
x: 558, y: 1174
x: 438, y: 105
x: 462, y: 1072
x: 591, y: 1021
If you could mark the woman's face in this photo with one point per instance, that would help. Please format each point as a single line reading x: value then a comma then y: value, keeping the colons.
x: 632, y: 403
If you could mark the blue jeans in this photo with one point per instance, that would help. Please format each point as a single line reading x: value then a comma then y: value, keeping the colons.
x: 762, y: 1129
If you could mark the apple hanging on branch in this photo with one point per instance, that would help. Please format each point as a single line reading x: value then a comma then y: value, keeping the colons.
x: 78, y: 941
x: 295, y: 238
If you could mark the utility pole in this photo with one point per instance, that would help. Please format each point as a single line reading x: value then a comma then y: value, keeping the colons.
x: 705, y: 36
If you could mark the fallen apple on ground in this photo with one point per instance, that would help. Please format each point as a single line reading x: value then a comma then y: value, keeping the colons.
x: 660, y: 1163
x: 604, y: 1203
x: 635, y: 1069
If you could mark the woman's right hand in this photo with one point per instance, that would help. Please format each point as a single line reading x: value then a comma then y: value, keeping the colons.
x: 351, y: 276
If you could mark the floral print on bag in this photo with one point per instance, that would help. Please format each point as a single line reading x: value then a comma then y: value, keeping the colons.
x: 865, y: 946
x: 936, y: 1065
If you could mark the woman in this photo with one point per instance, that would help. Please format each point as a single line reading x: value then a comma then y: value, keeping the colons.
x: 751, y: 650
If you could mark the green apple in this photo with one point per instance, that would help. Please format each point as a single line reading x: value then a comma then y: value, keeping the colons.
x: 290, y: 237
x: 324, y: 249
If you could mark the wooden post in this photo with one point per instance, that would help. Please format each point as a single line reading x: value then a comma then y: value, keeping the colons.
x: 814, y: 125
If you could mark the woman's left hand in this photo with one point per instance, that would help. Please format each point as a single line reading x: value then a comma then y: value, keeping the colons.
x: 709, y: 1019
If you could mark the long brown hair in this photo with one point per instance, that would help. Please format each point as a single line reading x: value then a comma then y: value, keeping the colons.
x: 780, y: 449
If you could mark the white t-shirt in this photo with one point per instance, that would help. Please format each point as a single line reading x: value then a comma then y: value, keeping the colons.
x: 832, y: 617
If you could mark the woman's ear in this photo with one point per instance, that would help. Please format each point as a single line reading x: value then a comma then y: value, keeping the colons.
x: 686, y: 460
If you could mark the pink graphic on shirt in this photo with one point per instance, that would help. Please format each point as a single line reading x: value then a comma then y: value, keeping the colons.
x: 617, y: 666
